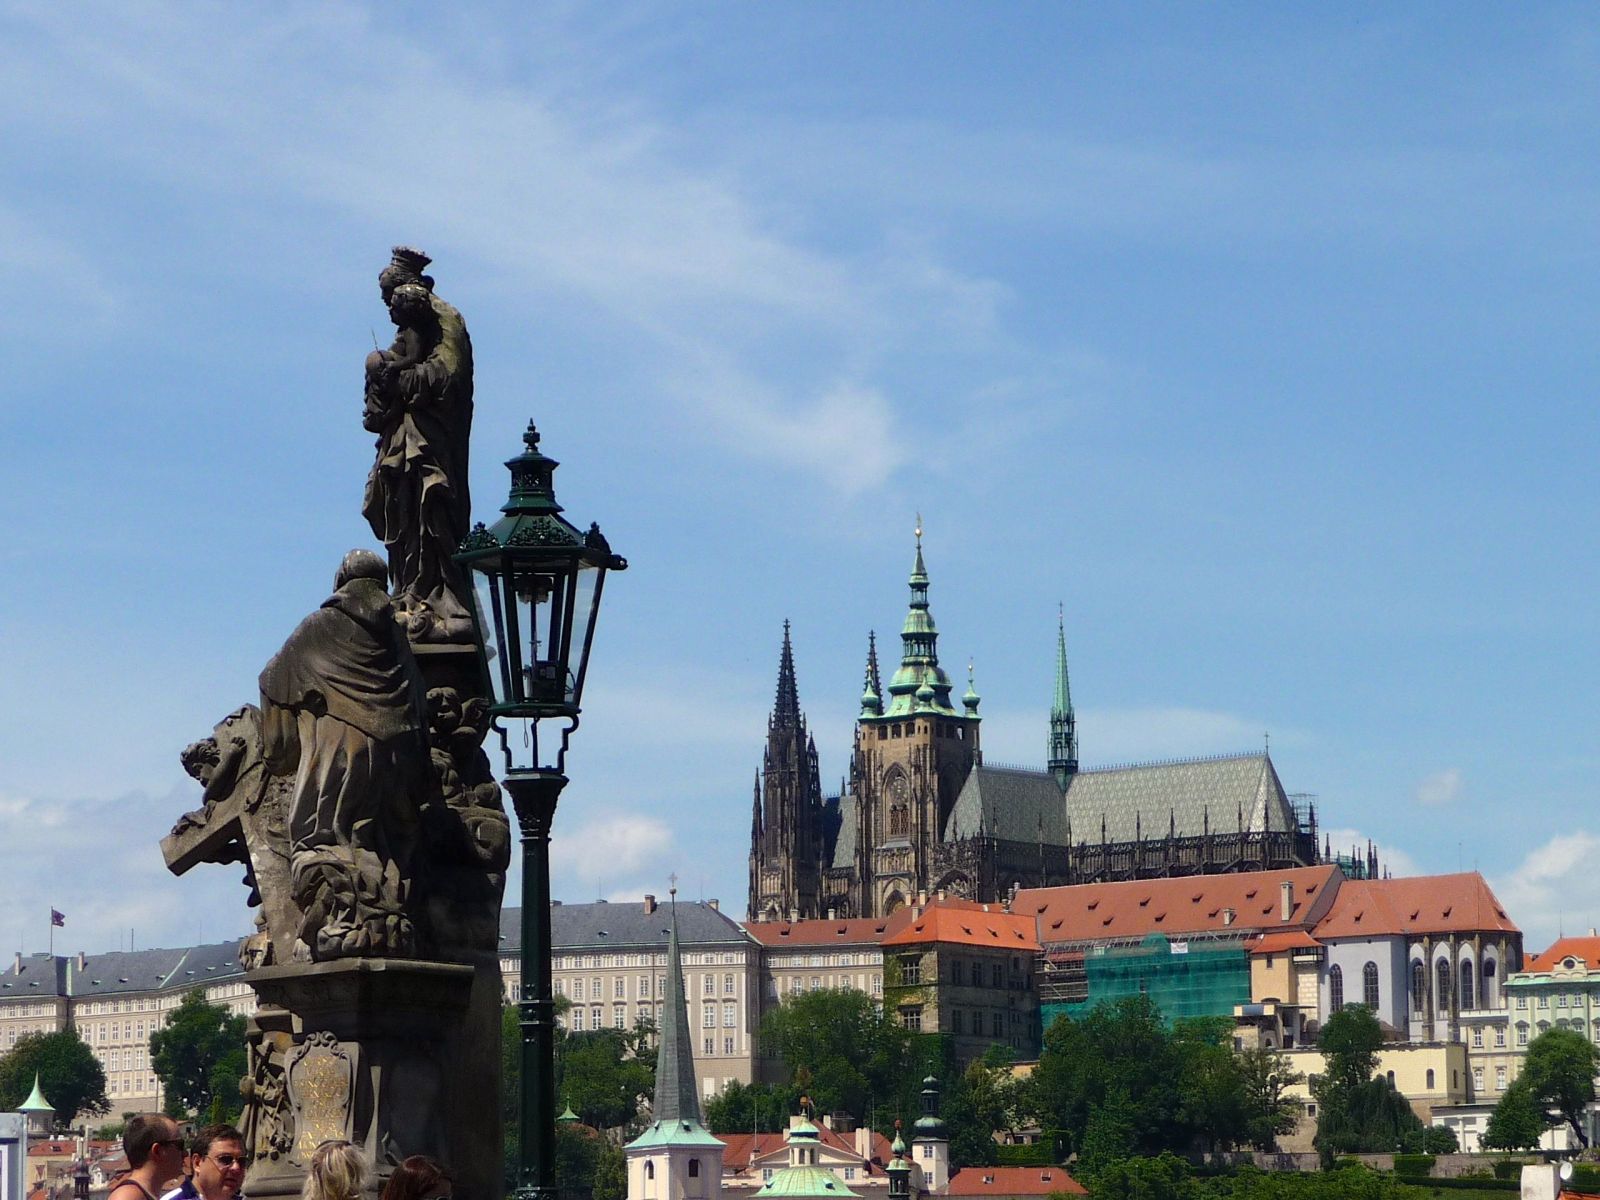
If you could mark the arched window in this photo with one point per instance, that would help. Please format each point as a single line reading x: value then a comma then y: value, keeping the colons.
x: 1430, y: 1079
x: 1419, y: 985
x: 1441, y: 1001
x: 649, y: 1170
x: 1486, y: 995
x: 1335, y: 989
x: 1468, y: 978
x: 694, y: 1168
x: 1369, y: 986
x: 1389, y: 1075
x: 897, y: 820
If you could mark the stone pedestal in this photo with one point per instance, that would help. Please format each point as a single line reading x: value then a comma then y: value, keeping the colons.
x: 361, y: 1049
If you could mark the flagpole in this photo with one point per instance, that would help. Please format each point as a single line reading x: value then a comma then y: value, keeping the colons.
x: 52, y: 920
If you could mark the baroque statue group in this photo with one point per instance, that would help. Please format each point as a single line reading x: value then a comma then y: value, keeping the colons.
x: 359, y: 800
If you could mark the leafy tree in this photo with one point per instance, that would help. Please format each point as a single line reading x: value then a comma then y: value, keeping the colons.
x: 69, y: 1074
x: 1110, y: 1136
x: 1560, y: 1070
x: 610, y: 1173
x: 1268, y: 1108
x: 1165, y: 1177
x: 1350, y: 1041
x: 754, y: 1107
x: 1119, y: 1048
x: 1440, y: 1139
x: 1517, y: 1122
x: 1357, y: 1113
x: 604, y: 1074
x: 1211, y: 1092
x: 199, y: 1056
x: 855, y: 1056
x: 979, y: 1101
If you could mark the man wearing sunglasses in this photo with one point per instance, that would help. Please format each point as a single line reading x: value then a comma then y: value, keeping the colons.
x: 215, y: 1165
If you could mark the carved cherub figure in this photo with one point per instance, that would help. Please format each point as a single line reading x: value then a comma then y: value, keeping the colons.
x: 417, y: 335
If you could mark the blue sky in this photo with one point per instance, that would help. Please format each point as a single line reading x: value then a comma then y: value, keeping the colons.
x: 1261, y: 338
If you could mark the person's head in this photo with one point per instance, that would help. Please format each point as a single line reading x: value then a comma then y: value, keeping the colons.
x: 338, y: 1171
x: 152, y: 1138
x: 360, y: 564
x: 217, y: 1162
x: 419, y: 1178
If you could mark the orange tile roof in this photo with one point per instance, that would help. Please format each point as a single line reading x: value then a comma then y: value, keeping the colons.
x: 1585, y: 949
x: 1277, y: 943
x: 1134, y: 909
x: 1421, y: 904
x: 1013, y: 1181
x: 743, y: 1148
x: 845, y: 932
x: 965, y: 923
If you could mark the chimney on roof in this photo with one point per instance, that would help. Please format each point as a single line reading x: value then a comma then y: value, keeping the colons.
x: 649, y: 904
x: 794, y: 915
x: 1287, y: 888
x: 714, y: 904
x: 1592, y: 932
x: 864, y: 1143
x: 17, y: 968
x: 833, y: 914
x: 83, y: 961
x: 941, y: 893
x: 827, y: 1120
x: 1227, y: 916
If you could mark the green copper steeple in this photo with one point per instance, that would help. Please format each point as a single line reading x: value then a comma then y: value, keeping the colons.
x: 920, y: 685
x: 675, y: 1115
x: 1063, y: 723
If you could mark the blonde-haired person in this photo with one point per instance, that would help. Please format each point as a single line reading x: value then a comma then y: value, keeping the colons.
x: 338, y: 1171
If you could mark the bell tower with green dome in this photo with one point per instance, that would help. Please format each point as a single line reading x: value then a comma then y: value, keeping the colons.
x: 913, y: 751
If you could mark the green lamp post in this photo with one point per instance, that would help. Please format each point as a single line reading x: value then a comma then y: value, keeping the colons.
x: 536, y: 585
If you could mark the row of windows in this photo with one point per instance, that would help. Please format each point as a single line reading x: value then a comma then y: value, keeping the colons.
x: 1370, y: 990
x: 1563, y: 1000
x: 595, y: 988
x: 959, y: 1021
x: 797, y: 984
x: 587, y: 962
x: 779, y: 962
x: 1468, y: 992
x: 709, y: 1045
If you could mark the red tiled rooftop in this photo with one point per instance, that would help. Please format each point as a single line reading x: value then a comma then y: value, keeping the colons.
x: 853, y: 931
x: 1013, y: 1181
x: 965, y: 923
x: 1134, y: 909
x: 1584, y: 949
x: 1460, y: 903
x: 1277, y: 943
x: 743, y: 1147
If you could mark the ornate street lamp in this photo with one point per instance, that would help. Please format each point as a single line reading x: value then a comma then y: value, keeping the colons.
x: 536, y: 585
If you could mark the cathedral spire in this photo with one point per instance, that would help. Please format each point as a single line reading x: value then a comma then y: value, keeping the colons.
x: 920, y: 685
x: 786, y: 708
x: 1063, y: 722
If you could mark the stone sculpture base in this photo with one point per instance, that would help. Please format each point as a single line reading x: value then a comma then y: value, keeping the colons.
x: 367, y: 1051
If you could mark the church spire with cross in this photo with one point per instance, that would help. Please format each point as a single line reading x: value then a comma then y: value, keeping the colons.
x: 920, y: 684
x: 786, y: 835
x: 676, y: 1156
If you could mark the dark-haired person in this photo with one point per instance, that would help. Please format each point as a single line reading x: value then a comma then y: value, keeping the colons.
x: 155, y: 1155
x: 215, y: 1166
x: 419, y: 1178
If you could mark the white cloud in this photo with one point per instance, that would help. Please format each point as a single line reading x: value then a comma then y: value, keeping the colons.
x: 98, y: 861
x: 1440, y: 788
x: 1554, y: 887
x: 1391, y: 859
x: 606, y: 849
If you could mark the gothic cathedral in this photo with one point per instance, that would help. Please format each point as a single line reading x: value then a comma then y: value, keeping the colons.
x: 920, y: 813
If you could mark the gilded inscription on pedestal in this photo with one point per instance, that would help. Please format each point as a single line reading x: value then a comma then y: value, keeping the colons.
x: 321, y: 1087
